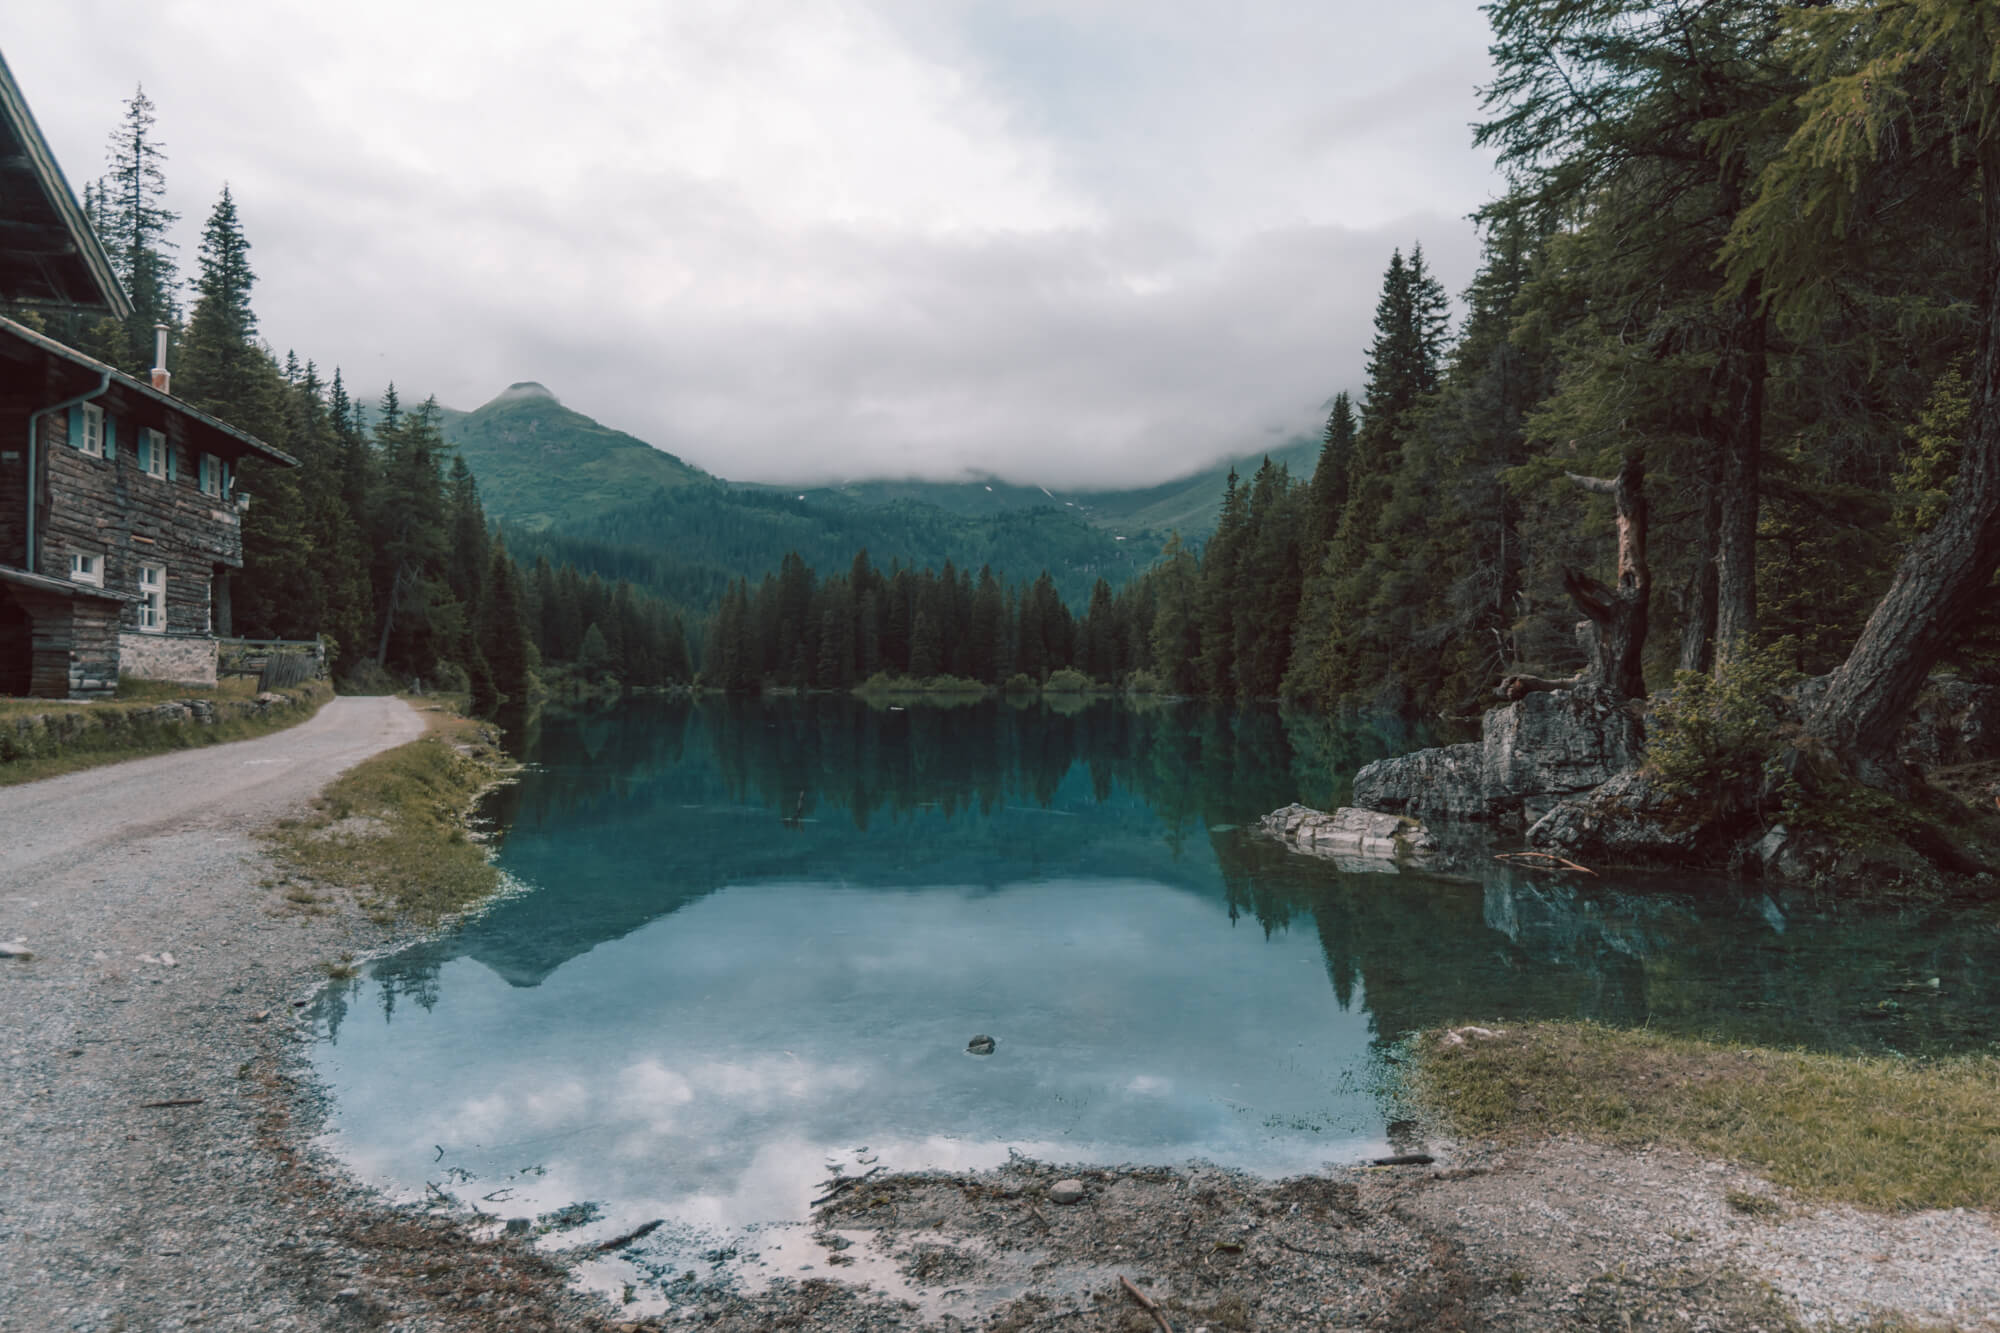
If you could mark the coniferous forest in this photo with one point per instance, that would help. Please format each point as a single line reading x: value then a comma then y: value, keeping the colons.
x: 1744, y: 264
x: 377, y: 541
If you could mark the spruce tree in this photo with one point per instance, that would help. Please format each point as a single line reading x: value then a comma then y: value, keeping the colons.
x: 130, y: 216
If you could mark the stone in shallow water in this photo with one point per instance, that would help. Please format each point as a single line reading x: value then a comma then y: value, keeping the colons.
x: 981, y: 1045
x: 1066, y: 1191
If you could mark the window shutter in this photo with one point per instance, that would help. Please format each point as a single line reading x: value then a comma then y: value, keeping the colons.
x: 144, y: 450
x: 173, y: 473
x: 110, y: 437
x: 76, y: 426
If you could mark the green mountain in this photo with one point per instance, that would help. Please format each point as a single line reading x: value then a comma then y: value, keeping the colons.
x: 1188, y: 505
x: 541, y: 465
x: 574, y: 490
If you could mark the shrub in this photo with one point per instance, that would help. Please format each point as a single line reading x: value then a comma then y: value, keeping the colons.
x: 1145, y: 682
x: 1717, y: 737
x: 1067, y: 681
x: 1020, y: 683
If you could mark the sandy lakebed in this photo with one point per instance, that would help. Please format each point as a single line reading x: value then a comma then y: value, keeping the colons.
x: 159, y: 1130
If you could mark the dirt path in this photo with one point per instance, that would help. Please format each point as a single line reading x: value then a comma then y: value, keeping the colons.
x: 114, y: 1214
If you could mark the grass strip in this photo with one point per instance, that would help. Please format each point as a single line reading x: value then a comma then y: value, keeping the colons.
x: 1876, y: 1131
x: 392, y: 828
x: 45, y: 738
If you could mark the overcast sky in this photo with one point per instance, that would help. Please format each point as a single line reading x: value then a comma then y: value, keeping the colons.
x: 1068, y: 241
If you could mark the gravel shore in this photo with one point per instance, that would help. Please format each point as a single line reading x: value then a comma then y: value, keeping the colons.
x: 156, y: 1169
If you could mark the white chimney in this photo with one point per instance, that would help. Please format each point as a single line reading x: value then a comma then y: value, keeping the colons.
x: 161, y: 379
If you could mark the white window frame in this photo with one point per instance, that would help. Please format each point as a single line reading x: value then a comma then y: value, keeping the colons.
x: 153, y: 598
x: 92, y: 443
x: 154, y: 443
x: 86, y: 567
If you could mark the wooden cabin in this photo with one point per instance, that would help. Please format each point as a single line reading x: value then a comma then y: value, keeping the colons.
x: 120, y: 520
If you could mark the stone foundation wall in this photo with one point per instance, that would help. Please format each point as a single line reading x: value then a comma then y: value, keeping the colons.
x: 183, y: 659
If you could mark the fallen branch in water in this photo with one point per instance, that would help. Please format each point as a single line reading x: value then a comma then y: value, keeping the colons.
x: 1562, y: 861
x: 173, y: 1101
x: 636, y: 1233
x: 845, y: 1183
x: 1148, y: 1304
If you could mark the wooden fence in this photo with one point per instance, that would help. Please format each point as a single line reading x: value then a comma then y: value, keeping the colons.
x: 276, y: 663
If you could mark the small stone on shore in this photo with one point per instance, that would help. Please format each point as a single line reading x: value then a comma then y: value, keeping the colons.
x: 1066, y: 1191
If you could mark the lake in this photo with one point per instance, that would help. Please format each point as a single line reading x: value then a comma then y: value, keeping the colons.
x: 748, y: 941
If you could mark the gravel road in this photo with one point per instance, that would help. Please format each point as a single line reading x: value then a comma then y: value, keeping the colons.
x: 137, y: 888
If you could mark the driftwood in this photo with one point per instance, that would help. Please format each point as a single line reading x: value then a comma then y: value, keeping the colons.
x: 173, y: 1101
x: 1148, y: 1304
x: 1512, y: 858
x: 845, y: 1183
x: 639, y: 1232
x: 1617, y: 613
x: 1404, y: 1159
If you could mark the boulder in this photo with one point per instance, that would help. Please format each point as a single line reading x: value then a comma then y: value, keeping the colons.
x: 1448, y: 781
x: 1628, y: 820
x: 1557, y: 743
x: 1954, y: 722
x: 1544, y: 747
x: 1349, y: 832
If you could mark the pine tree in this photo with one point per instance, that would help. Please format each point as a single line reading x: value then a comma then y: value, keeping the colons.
x: 131, y: 219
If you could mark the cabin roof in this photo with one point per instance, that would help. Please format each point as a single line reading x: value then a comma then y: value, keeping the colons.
x: 62, y: 587
x: 49, y: 255
x: 195, y: 417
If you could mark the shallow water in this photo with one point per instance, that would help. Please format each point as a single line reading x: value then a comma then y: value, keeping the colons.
x: 753, y: 940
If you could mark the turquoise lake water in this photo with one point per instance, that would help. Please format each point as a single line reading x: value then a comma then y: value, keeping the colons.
x: 752, y: 938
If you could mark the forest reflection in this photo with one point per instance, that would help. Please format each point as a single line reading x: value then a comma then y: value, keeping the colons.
x: 631, y: 813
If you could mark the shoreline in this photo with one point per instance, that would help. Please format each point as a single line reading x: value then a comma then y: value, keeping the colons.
x: 231, y: 1211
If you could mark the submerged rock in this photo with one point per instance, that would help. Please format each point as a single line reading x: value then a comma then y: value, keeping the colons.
x: 1349, y: 832
x: 981, y: 1045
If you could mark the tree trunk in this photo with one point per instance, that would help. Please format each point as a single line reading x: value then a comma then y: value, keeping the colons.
x: 389, y: 617
x: 1744, y: 368
x: 1943, y: 576
x: 1698, y: 629
x: 1617, y: 614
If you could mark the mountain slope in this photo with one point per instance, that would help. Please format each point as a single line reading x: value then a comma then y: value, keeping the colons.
x: 572, y: 489
x: 541, y: 465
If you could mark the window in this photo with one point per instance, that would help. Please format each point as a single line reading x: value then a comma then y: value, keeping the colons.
x: 153, y: 598
x: 91, y: 437
x: 85, y: 568
x: 153, y: 453
x: 210, y: 472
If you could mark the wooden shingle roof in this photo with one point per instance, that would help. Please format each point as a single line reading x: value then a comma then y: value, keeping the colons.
x: 49, y: 256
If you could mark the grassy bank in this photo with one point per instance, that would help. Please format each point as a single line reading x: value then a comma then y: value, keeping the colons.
x: 42, y: 738
x: 1880, y: 1132
x: 392, y: 830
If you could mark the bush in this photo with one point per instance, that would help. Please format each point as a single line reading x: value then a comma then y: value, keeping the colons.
x: 1020, y: 683
x: 1145, y: 682
x: 1067, y: 681
x: 367, y: 678
x: 1717, y: 737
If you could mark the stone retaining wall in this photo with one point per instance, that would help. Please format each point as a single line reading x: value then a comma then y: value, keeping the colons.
x: 104, y: 727
x: 183, y: 659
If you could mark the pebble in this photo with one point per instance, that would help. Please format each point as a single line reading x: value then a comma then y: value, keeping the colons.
x: 1066, y: 1191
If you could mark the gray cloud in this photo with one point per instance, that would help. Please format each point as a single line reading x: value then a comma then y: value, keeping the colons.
x: 1090, y: 243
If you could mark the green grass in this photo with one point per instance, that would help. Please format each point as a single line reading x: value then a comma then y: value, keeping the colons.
x: 392, y: 828
x: 85, y: 735
x: 1880, y: 1132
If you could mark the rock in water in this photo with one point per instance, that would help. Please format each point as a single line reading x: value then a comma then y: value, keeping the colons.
x: 980, y: 1045
x: 1066, y: 1191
